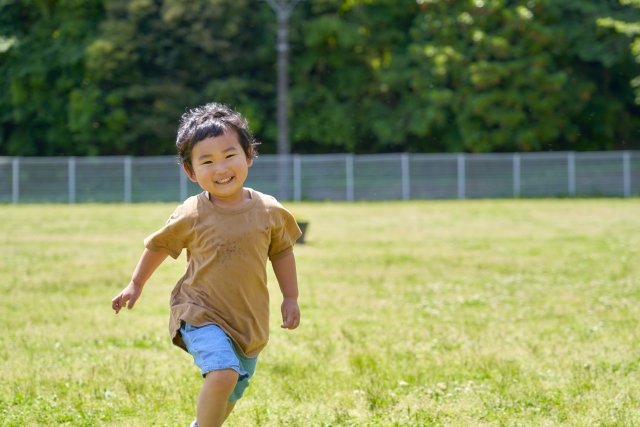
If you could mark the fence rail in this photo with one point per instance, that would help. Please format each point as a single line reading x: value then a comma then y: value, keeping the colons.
x: 345, y: 177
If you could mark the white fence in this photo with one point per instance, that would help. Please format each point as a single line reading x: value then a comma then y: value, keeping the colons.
x: 345, y: 177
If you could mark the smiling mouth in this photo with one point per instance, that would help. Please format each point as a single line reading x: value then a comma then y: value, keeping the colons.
x: 224, y: 181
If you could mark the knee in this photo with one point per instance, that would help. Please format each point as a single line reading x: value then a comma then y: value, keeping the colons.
x: 225, y: 379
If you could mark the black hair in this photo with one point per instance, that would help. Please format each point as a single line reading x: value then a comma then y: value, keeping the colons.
x: 209, y: 121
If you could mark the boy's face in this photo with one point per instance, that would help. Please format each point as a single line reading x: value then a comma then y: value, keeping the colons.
x: 220, y: 167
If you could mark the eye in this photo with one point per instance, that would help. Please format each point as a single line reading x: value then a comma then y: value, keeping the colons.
x: 230, y: 155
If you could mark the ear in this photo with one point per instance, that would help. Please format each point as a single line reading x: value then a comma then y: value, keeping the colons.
x: 250, y: 158
x: 191, y: 176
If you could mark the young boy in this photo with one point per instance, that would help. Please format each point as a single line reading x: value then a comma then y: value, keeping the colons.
x: 220, y: 307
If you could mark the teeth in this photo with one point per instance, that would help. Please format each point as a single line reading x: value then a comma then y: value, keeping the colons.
x: 222, y: 181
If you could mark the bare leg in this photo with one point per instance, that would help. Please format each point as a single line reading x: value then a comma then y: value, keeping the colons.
x: 229, y: 409
x: 213, y: 401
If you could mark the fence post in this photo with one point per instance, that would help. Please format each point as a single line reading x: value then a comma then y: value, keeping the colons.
x: 15, y: 183
x: 406, y: 184
x: 284, y: 185
x: 127, y: 179
x: 516, y: 175
x: 626, y: 170
x: 461, y: 177
x: 571, y: 171
x: 350, y: 192
x: 72, y: 180
x: 297, y: 178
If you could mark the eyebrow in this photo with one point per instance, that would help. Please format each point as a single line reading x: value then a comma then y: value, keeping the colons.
x: 226, y: 150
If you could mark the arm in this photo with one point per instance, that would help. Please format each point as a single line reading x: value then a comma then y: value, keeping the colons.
x: 285, y: 271
x: 149, y: 262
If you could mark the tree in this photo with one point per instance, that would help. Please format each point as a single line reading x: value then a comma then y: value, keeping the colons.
x: 630, y: 29
x: 88, y: 77
x: 153, y: 59
x: 340, y: 104
x: 42, y: 46
x: 494, y: 75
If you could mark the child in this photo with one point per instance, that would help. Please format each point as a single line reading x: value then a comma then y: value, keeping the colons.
x: 220, y: 307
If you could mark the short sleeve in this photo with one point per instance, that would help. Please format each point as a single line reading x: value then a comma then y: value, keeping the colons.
x: 173, y: 236
x: 283, y: 235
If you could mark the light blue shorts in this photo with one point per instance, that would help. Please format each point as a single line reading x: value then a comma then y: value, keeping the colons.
x: 213, y: 350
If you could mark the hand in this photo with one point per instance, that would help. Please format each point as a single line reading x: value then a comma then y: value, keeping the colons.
x: 130, y: 294
x: 290, y: 313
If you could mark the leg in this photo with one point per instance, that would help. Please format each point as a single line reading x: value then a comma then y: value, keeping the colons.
x: 229, y: 409
x: 213, y: 401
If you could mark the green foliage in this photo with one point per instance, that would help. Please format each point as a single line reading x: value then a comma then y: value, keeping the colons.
x: 462, y: 76
x: 336, y: 62
x: 631, y: 29
x: 41, y: 65
x: 152, y: 60
x: 89, y: 77
x: 495, y: 75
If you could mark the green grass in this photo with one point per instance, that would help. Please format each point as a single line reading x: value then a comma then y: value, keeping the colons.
x: 474, y: 313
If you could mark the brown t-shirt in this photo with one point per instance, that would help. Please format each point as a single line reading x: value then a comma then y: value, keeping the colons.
x: 225, y: 282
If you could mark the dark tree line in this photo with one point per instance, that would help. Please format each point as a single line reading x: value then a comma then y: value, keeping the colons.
x: 102, y: 77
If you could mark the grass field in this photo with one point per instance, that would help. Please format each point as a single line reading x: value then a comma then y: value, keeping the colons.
x: 474, y: 313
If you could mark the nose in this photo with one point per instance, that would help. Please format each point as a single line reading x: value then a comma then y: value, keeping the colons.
x: 221, y: 167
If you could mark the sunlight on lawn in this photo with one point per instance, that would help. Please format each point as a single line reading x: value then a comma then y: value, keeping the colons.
x: 484, y: 313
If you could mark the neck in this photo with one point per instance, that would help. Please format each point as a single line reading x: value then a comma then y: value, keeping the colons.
x: 231, y: 203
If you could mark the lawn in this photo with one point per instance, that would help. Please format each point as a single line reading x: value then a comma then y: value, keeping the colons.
x: 422, y: 313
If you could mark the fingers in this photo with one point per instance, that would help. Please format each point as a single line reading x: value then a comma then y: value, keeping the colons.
x: 115, y: 304
x: 132, y: 301
x: 290, y: 319
x: 120, y: 302
x: 290, y: 316
x: 295, y: 323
